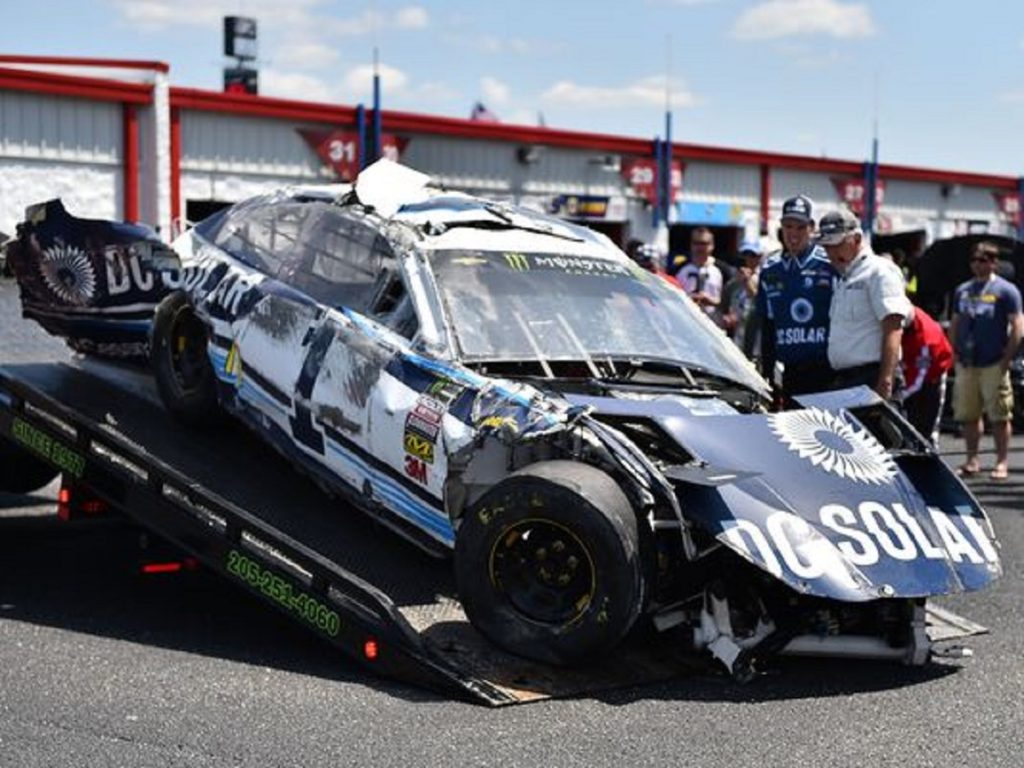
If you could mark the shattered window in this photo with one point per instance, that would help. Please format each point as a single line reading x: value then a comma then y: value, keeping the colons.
x: 338, y: 261
x: 514, y: 306
x: 260, y: 234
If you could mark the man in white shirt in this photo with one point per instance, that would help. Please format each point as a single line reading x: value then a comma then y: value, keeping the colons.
x: 699, y: 276
x: 868, y: 311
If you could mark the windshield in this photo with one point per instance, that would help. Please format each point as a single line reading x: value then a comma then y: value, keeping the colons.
x: 549, y: 306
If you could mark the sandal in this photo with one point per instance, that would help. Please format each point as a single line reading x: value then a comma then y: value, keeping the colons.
x: 999, y: 474
x: 968, y: 470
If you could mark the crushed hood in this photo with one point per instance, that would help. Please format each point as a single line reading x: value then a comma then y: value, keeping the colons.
x: 814, y: 499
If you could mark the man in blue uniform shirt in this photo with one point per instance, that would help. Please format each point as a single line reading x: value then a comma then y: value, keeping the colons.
x: 793, y: 303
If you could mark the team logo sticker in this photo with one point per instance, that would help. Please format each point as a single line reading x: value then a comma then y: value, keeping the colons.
x: 419, y: 446
x: 801, y: 310
x: 833, y: 445
x: 69, y: 274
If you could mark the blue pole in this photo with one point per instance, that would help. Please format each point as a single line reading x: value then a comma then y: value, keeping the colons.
x: 1020, y: 208
x: 870, y: 183
x: 361, y: 136
x: 667, y: 177
x: 656, y: 212
x: 376, y: 116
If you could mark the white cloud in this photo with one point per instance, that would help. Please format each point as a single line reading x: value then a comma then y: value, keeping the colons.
x: 493, y: 44
x: 305, y: 55
x: 359, y: 81
x: 308, y: 15
x: 493, y: 91
x: 413, y: 17
x: 153, y: 15
x: 649, y: 91
x: 786, y: 18
x: 811, y: 56
x: 294, y: 85
x: 410, y: 17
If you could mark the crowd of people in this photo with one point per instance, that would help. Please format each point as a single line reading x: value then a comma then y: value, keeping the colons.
x: 825, y: 312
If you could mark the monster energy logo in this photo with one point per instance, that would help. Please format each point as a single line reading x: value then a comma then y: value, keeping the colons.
x: 518, y: 262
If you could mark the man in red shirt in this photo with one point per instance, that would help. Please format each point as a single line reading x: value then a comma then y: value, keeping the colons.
x: 927, y: 358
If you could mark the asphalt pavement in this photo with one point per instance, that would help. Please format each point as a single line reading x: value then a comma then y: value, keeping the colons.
x: 99, y: 666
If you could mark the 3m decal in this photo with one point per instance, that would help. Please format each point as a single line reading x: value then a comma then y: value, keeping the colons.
x: 419, y: 447
x: 416, y: 469
x: 833, y: 445
x: 44, y: 445
x: 294, y: 600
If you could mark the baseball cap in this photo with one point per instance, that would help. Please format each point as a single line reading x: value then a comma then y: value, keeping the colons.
x: 798, y: 208
x: 751, y: 246
x: 836, y: 225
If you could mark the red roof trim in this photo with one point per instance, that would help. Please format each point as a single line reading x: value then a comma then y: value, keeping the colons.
x: 80, y: 87
x: 964, y: 178
x: 524, y: 134
x: 77, y: 61
x: 261, y: 106
x: 287, y: 109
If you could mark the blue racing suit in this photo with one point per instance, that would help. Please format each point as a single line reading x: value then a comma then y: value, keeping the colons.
x: 792, y: 303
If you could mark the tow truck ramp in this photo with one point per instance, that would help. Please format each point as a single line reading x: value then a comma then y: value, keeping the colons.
x: 229, y: 501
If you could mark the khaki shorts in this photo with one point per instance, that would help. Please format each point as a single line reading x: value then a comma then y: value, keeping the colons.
x: 978, y: 389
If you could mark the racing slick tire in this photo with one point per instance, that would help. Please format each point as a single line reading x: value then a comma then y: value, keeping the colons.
x: 20, y: 471
x: 548, y: 563
x: 184, y: 377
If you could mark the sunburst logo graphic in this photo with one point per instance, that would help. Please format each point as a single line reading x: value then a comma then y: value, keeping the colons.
x: 834, y: 445
x: 69, y: 274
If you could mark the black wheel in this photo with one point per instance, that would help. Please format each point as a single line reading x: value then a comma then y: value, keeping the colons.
x: 548, y: 563
x: 183, y: 374
x: 20, y: 471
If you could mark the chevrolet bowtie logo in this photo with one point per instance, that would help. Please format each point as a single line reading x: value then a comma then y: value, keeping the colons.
x: 517, y: 261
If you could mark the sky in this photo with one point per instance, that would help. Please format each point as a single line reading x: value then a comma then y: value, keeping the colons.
x: 943, y: 80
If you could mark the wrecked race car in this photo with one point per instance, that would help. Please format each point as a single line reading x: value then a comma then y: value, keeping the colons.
x: 510, y: 388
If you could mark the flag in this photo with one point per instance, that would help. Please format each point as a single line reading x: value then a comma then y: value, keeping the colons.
x: 483, y: 114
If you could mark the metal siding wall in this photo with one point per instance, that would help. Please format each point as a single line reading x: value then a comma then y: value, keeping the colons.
x: 492, y: 166
x: 229, y: 144
x: 718, y: 183
x: 52, y: 127
x: 787, y: 183
x: 51, y: 146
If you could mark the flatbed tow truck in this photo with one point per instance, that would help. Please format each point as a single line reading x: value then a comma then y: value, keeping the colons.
x: 236, y: 507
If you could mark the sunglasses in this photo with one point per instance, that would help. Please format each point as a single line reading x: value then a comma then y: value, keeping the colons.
x: 980, y: 259
x: 701, y: 242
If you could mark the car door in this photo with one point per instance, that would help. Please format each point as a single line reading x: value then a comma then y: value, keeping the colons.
x: 336, y: 363
x: 266, y: 338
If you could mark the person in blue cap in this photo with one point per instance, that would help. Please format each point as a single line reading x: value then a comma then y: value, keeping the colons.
x: 792, y: 305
